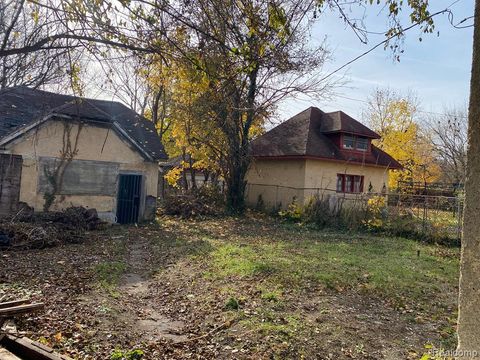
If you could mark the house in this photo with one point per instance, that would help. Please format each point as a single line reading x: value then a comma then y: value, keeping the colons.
x: 201, y: 176
x: 315, y: 152
x: 58, y: 151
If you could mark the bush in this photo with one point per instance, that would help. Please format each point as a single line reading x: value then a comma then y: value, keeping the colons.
x: 374, y: 215
x: 318, y: 212
x: 204, y: 201
x: 377, y: 213
x: 294, y: 212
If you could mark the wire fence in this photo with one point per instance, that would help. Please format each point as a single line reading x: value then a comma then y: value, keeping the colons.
x: 424, y: 215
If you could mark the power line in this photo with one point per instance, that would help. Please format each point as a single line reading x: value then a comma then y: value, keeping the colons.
x: 397, y: 34
x: 420, y: 111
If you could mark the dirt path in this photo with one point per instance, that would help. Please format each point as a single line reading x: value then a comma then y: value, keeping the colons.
x: 135, y: 285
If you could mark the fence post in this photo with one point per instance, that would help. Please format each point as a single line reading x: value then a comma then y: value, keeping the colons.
x: 276, y: 197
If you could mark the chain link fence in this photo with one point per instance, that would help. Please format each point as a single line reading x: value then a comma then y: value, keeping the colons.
x: 429, y: 216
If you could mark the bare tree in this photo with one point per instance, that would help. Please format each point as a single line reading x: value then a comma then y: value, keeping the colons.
x: 126, y: 82
x: 23, y: 24
x: 137, y: 81
x: 448, y: 134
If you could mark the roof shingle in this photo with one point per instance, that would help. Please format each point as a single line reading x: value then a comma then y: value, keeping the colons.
x: 20, y: 106
x: 307, y: 134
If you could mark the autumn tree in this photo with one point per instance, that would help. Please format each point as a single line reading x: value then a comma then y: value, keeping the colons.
x: 394, y: 118
x: 196, y: 138
x: 255, y: 53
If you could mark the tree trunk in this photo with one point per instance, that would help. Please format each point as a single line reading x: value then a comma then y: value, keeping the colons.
x: 193, y: 175
x: 469, y: 296
x: 236, y: 190
x: 235, y: 178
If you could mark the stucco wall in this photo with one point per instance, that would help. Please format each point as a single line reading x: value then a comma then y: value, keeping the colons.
x: 323, y: 175
x: 280, y: 181
x: 94, y: 143
x: 277, y: 182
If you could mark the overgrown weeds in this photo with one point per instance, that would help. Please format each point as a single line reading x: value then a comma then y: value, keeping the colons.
x: 372, y: 214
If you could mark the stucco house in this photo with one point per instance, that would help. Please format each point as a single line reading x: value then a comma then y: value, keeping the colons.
x: 200, y: 176
x: 71, y: 151
x: 316, y: 152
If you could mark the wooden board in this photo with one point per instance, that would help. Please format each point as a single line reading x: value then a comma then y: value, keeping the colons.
x: 20, y: 309
x: 81, y: 177
x: 27, y: 349
x: 13, y: 303
x: 7, y: 355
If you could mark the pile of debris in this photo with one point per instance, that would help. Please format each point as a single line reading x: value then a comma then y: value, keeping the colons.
x: 27, y: 230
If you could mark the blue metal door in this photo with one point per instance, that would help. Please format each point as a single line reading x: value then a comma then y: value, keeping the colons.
x: 128, y: 202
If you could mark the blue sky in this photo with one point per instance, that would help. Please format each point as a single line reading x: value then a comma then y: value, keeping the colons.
x: 436, y: 69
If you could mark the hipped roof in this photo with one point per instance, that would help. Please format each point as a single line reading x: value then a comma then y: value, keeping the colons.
x: 309, y: 134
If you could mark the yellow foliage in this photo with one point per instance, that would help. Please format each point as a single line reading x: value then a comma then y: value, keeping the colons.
x: 173, y: 176
x: 402, y: 138
x: 375, y: 208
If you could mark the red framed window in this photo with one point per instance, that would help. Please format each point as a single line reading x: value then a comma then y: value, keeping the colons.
x: 349, y: 183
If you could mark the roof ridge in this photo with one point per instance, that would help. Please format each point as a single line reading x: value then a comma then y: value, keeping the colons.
x: 73, y: 97
x: 308, y: 137
x: 311, y: 127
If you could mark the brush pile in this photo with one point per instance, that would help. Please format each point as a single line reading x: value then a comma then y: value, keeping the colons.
x: 27, y: 230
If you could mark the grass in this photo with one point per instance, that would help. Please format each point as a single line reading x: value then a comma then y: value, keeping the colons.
x: 390, y: 267
x: 108, y: 275
x: 292, y: 290
x: 277, y: 279
x: 256, y: 287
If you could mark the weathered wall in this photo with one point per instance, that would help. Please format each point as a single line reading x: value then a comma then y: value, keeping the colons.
x: 276, y: 181
x: 10, y: 177
x: 279, y: 182
x: 96, y: 143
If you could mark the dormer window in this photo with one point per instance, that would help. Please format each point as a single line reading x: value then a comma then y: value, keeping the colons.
x: 362, y: 144
x: 351, y: 142
x: 348, y: 142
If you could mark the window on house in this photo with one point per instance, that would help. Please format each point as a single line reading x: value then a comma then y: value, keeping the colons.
x: 348, y: 142
x: 361, y: 144
x: 358, y: 184
x: 349, y: 183
x: 339, y: 183
x: 351, y: 142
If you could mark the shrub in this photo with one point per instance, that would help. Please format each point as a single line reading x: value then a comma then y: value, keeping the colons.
x: 135, y: 354
x: 318, y: 211
x: 232, y: 304
x: 203, y: 201
x: 293, y: 212
x: 377, y: 213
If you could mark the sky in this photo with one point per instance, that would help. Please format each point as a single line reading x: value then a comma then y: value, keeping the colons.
x: 437, y: 69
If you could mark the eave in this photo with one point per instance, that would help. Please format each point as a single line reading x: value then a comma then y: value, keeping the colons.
x: 390, y: 166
